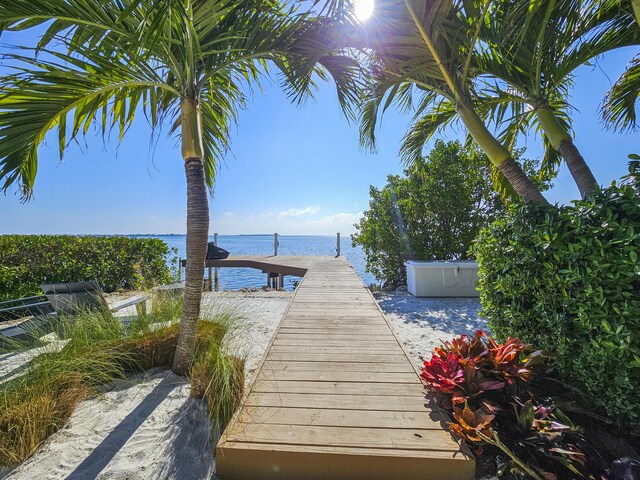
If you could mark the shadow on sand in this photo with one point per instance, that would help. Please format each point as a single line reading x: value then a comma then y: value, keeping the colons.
x: 457, y: 315
x: 188, y: 446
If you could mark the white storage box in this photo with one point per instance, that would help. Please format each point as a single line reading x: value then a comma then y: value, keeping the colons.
x: 442, y: 279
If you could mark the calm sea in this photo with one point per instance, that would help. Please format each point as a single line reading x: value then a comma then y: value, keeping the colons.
x: 236, y: 278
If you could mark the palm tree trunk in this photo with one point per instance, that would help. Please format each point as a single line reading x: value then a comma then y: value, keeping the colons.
x: 578, y: 168
x: 197, y: 234
x: 561, y: 140
x: 500, y: 156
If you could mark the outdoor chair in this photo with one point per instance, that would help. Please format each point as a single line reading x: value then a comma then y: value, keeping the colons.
x: 58, y: 299
x: 68, y: 298
x: 21, y: 307
x: 20, y: 317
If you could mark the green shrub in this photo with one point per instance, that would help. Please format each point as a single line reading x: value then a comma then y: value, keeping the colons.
x: 27, y: 261
x: 568, y: 280
x: 432, y: 212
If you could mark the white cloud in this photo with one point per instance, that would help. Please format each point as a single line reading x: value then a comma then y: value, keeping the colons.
x: 292, y: 223
x: 299, y: 212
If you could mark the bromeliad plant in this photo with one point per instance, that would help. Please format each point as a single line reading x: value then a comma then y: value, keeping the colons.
x: 489, y: 390
x: 465, y: 369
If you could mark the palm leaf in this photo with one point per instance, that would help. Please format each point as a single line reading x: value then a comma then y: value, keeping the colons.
x: 619, y: 107
x: 441, y: 113
x: 43, y: 95
x: 142, y: 55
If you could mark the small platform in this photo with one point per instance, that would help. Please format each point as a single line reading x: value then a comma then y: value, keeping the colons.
x: 336, y: 396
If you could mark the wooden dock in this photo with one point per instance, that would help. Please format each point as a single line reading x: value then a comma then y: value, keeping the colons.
x: 336, y: 396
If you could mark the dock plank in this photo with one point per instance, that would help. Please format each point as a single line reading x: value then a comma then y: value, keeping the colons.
x: 339, y: 366
x: 338, y: 375
x: 364, y: 437
x: 266, y: 385
x: 339, y: 402
x: 338, y: 418
x: 336, y: 396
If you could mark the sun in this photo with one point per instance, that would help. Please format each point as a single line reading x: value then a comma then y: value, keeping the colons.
x: 363, y: 9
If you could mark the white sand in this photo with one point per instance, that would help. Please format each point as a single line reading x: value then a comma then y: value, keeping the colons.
x: 422, y: 323
x: 148, y: 427
x: 260, y: 313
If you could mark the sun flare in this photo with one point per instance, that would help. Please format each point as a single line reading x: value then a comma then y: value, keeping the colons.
x: 363, y: 9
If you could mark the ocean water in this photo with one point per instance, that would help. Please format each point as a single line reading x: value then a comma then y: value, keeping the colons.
x: 236, y: 278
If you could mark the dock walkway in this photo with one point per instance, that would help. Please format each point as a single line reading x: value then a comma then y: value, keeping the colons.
x: 336, y: 396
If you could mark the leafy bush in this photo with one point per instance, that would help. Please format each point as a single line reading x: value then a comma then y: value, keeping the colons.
x: 488, y: 389
x: 433, y: 212
x: 568, y: 280
x: 27, y: 261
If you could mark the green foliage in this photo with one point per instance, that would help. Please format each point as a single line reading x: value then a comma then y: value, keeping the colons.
x: 218, y: 378
x: 568, y: 281
x: 27, y: 261
x: 432, y: 212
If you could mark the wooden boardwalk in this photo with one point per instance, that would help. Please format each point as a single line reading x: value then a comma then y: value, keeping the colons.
x: 336, y: 396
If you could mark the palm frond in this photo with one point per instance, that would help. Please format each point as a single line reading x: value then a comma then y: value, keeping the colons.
x: 441, y: 112
x: 143, y: 55
x: 536, y: 46
x: 220, y: 100
x: 68, y: 96
x: 619, y: 107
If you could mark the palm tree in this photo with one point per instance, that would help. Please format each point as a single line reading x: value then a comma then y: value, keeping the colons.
x: 182, y: 63
x: 426, y: 48
x: 532, y: 49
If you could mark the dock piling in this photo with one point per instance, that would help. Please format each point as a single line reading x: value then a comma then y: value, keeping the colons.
x: 215, y: 270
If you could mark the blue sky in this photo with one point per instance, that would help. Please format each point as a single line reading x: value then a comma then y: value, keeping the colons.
x: 291, y: 169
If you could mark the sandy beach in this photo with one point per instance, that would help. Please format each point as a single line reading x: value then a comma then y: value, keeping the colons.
x: 148, y: 426
x: 423, y: 323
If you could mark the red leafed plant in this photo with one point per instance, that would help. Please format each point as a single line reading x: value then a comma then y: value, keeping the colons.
x: 486, y: 386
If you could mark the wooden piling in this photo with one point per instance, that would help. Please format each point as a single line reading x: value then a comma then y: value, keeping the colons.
x: 215, y: 270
